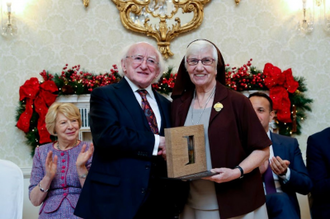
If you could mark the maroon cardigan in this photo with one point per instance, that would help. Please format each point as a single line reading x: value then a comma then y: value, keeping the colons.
x: 234, y: 132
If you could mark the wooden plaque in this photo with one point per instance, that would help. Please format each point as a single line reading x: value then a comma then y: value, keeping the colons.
x: 185, y: 152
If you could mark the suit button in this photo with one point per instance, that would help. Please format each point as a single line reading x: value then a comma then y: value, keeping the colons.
x: 147, y: 167
x: 142, y: 190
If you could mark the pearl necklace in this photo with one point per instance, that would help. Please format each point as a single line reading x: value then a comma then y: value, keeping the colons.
x: 58, y: 145
x: 207, y: 101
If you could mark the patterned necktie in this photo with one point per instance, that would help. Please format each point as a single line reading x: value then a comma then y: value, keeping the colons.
x: 268, y: 179
x: 148, y: 111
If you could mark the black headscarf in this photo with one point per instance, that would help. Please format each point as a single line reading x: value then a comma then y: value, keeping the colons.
x: 183, y: 82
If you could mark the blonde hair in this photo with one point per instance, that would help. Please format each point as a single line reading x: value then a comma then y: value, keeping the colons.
x: 69, y: 110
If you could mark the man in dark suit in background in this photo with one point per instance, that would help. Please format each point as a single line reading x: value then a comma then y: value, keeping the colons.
x: 318, y: 165
x: 127, y: 178
x: 287, y: 167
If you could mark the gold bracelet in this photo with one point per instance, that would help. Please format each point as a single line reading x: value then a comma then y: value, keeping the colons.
x: 42, y: 189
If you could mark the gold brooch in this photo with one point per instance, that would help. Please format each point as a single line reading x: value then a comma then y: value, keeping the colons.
x: 218, y: 107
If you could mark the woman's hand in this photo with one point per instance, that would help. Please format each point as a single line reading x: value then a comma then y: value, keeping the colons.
x: 84, y: 156
x: 263, y: 167
x: 51, y: 165
x: 224, y: 175
x: 82, y: 159
x: 37, y: 196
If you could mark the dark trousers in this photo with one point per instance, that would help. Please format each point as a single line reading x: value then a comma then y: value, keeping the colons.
x: 321, y: 211
x: 157, y: 203
x: 165, y: 198
x: 149, y: 210
x: 279, y: 206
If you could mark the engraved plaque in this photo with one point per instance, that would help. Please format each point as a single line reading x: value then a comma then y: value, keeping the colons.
x: 185, y: 152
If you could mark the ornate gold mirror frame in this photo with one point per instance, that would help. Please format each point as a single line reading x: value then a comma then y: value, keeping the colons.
x: 86, y: 3
x: 155, y: 17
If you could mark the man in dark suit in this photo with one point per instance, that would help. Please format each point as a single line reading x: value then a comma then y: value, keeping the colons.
x: 288, y: 169
x: 127, y: 178
x: 318, y: 165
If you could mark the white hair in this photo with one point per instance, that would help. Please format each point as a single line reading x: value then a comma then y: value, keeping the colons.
x: 197, y: 46
x: 161, y: 65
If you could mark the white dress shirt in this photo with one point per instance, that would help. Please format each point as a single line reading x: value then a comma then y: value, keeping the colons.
x: 153, y: 104
x: 285, y: 177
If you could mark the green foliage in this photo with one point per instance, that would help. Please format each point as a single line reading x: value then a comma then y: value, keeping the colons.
x: 300, y: 104
x: 247, y: 77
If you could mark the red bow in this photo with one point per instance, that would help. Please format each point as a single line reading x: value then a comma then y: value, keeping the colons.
x: 42, y: 97
x: 279, y: 84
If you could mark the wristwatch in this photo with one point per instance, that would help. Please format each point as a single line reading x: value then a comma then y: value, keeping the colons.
x: 83, y: 176
x: 242, y: 172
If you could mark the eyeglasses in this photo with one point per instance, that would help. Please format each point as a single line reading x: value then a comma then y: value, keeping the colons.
x: 138, y: 59
x: 205, y: 61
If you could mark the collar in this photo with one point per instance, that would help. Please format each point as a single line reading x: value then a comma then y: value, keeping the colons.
x: 136, y: 88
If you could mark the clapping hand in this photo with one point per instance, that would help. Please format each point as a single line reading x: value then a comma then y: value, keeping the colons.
x: 279, y: 166
x: 84, y: 156
x: 51, y: 165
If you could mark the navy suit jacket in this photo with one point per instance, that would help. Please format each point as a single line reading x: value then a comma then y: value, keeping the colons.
x: 288, y: 149
x: 122, y: 164
x: 318, y: 165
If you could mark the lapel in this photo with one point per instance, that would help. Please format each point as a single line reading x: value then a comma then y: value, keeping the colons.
x: 127, y: 98
x: 276, y: 143
x: 221, y: 93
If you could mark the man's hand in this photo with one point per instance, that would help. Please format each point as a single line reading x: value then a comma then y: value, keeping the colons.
x: 279, y: 166
x: 162, y: 147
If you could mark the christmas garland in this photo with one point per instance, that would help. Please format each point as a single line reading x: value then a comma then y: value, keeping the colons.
x: 286, y: 91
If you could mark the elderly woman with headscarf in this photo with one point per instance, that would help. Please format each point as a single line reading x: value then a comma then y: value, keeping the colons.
x: 236, y: 144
